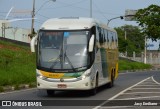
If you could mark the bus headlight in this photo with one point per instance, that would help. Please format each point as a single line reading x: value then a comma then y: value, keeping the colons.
x: 86, y: 74
x: 40, y: 75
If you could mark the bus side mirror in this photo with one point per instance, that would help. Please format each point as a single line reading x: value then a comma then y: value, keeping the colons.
x: 91, y: 43
x: 33, y: 43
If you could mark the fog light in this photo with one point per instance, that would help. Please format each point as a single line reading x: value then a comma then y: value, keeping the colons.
x: 92, y: 84
x: 38, y: 84
x: 86, y: 84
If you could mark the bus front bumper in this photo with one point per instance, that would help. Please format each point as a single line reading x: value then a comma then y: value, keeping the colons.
x: 83, y: 84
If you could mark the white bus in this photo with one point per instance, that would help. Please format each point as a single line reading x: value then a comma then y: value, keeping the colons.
x: 75, y: 54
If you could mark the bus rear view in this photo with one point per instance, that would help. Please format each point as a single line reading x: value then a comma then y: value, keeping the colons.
x: 66, y: 56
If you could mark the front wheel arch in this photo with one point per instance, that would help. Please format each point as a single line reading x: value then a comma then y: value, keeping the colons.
x: 94, y: 90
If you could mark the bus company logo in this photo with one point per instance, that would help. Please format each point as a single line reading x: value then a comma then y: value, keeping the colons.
x: 6, y: 103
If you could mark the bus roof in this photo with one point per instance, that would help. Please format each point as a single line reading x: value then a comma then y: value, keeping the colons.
x: 72, y: 23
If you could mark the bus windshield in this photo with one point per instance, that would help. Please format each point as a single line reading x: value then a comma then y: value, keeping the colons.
x: 63, y: 50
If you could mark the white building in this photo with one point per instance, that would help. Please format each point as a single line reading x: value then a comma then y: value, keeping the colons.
x: 14, y: 33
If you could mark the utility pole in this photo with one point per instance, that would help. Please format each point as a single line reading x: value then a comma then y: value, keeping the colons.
x: 125, y: 36
x: 3, y: 29
x: 90, y: 8
x: 145, y: 50
x: 33, y: 15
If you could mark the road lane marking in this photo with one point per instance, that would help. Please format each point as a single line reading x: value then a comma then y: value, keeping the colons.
x: 144, y: 88
x: 16, y: 91
x: 138, y: 98
x: 140, y: 92
x: 148, y: 85
x: 128, y: 88
x: 112, y: 98
x: 155, y: 81
x: 115, y: 107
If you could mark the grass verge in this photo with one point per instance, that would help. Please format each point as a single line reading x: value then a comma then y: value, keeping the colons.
x: 130, y: 65
x: 17, y: 64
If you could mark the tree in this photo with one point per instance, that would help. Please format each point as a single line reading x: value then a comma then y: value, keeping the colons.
x: 149, y: 20
x: 134, y: 40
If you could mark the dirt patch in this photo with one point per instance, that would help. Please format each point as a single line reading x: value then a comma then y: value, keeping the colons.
x: 9, y: 47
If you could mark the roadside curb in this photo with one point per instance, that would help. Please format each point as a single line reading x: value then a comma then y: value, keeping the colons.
x: 140, y: 70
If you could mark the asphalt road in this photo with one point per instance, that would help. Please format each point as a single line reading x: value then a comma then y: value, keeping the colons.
x: 128, y: 87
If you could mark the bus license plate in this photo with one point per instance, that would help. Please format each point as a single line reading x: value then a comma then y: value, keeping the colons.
x: 62, y: 86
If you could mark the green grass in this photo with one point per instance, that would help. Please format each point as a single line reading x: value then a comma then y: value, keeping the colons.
x: 17, y: 64
x: 130, y: 65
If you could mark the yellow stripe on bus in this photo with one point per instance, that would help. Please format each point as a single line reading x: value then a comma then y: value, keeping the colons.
x: 52, y: 75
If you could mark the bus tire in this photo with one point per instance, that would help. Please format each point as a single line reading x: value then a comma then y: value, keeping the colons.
x: 94, y: 91
x: 50, y: 92
x: 111, y: 83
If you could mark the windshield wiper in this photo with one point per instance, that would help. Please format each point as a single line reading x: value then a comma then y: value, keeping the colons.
x: 56, y: 61
x: 62, y: 60
x: 81, y: 68
x: 65, y: 56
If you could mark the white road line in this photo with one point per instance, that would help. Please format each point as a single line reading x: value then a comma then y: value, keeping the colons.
x: 138, y: 98
x: 17, y: 91
x: 140, y: 92
x: 147, y: 85
x: 144, y: 88
x: 121, y: 93
x: 113, y: 107
x: 155, y: 81
x: 128, y: 88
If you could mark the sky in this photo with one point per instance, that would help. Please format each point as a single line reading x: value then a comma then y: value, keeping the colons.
x: 102, y: 10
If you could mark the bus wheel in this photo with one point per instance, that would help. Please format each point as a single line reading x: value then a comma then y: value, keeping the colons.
x: 111, y: 83
x: 94, y: 91
x: 50, y: 92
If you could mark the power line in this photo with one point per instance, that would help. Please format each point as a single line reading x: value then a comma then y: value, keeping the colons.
x: 43, y: 16
x: 18, y: 11
x: 38, y: 22
x: 100, y: 11
x: 68, y: 5
x: 3, y: 12
x: 86, y: 9
x: 72, y: 4
x: 2, y: 15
